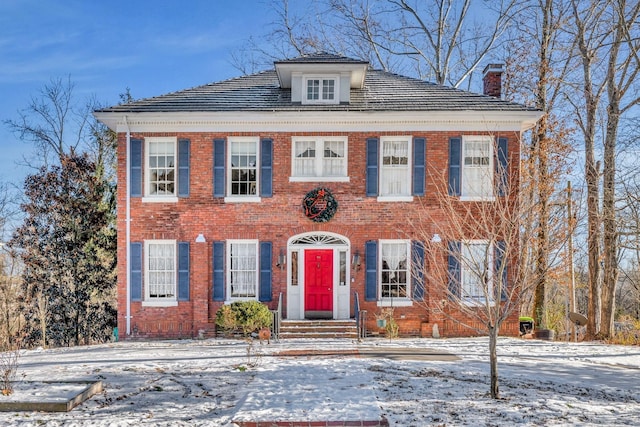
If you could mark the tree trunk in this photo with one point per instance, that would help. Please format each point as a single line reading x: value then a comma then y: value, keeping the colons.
x: 493, y: 361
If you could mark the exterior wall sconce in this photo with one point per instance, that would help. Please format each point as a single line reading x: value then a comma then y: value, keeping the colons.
x: 436, y: 238
x: 200, y: 238
x: 282, y: 260
x: 355, y: 261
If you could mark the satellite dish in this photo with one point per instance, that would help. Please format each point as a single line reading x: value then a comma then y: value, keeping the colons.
x: 578, y: 319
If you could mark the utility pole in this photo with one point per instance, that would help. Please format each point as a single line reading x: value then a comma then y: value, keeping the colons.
x: 572, y: 283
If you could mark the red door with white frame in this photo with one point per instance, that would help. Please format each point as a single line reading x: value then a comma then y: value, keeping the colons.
x: 318, y: 279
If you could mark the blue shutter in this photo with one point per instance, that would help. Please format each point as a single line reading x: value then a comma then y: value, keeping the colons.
x: 135, y: 275
x: 265, y: 272
x: 500, y: 262
x: 266, y: 168
x: 135, y: 168
x: 455, y: 162
x: 501, y: 167
x: 219, y: 153
x: 371, y: 270
x: 453, y: 267
x: 417, y: 265
x: 419, y: 162
x: 218, y: 271
x: 183, y: 271
x: 372, y: 167
x: 184, y: 154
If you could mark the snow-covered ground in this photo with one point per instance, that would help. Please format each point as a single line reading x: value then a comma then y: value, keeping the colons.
x: 214, y: 382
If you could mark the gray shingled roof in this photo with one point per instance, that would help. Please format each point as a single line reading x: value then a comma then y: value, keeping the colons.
x: 321, y: 58
x: 382, y: 91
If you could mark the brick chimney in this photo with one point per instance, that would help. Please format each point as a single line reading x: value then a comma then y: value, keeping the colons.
x: 492, y: 80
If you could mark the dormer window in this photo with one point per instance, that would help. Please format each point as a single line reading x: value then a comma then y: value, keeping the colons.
x: 321, y: 90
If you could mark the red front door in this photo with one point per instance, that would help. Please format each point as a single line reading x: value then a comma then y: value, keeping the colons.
x: 318, y: 280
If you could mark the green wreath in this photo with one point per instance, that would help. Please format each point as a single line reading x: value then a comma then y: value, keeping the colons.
x: 319, y: 205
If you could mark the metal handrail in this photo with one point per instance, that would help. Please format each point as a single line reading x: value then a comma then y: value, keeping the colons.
x: 277, y: 319
x: 361, y: 317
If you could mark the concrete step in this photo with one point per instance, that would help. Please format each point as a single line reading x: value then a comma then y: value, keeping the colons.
x: 318, y: 329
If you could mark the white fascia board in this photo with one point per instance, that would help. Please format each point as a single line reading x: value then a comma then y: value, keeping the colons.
x: 319, y: 121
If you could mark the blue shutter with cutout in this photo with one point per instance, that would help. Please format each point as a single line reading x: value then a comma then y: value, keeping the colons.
x: 454, y: 272
x: 419, y: 164
x: 371, y: 270
x: 266, y: 168
x: 502, y: 174
x: 218, y: 271
x: 135, y: 275
x: 265, y: 271
x: 183, y: 271
x: 184, y: 154
x: 455, y: 163
x: 372, y: 167
x: 219, y: 153
x: 135, y: 168
x: 417, y: 266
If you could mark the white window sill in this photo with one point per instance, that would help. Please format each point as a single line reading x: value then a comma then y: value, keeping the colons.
x: 243, y: 199
x: 232, y: 300
x: 395, y: 198
x: 160, y: 199
x: 160, y: 303
x: 395, y: 302
x: 319, y: 179
x: 477, y: 198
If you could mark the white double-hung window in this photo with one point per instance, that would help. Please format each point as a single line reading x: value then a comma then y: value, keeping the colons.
x: 161, y: 271
x: 243, y: 180
x: 319, y: 158
x: 161, y: 167
x: 395, y: 170
x: 477, y: 167
x: 476, y: 262
x: 242, y: 274
x: 395, y: 274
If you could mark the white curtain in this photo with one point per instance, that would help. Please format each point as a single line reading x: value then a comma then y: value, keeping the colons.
x: 394, y: 254
x: 243, y: 270
x: 162, y: 271
x: 395, y: 159
x: 305, y: 158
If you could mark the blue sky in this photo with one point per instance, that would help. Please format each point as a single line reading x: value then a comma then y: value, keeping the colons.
x: 152, y: 47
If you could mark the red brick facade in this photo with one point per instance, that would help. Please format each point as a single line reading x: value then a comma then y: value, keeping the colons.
x: 276, y: 219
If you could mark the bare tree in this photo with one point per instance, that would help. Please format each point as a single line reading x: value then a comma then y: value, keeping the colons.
x: 443, y: 41
x: 607, y: 40
x: 474, y: 273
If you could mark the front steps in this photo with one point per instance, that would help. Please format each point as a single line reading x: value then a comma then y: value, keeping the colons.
x: 318, y: 329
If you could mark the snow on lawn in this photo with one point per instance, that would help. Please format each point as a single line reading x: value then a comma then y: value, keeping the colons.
x: 214, y: 382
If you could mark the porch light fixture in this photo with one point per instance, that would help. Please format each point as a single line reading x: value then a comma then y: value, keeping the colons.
x: 282, y: 260
x: 200, y: 238
x: 355, y: 261
x: 436, y: 238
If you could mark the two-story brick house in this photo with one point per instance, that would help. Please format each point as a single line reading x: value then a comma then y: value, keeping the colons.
x: 295, y: 182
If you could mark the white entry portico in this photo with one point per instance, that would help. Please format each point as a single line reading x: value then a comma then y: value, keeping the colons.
x: 318, y: 276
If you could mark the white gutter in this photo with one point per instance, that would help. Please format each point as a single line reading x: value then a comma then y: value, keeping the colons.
x: 128, y: 225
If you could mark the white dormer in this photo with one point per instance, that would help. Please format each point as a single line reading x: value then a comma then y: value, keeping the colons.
x: 321, y: 78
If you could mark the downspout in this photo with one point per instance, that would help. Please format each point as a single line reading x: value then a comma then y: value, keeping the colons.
x: 128, y: 224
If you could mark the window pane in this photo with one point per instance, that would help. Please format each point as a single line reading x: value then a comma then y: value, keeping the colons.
x: 476, y: 259
x: 394, y: 271
x: 161, y: 270
x: 304, y: 162
x: 477, y: 174
x: 395, y: 177
x: 313, y: 89
x: 161, y: 168
x: 328, y: 89
x: 334, y: 163
x: 243, y: 271
x: 243, y: 167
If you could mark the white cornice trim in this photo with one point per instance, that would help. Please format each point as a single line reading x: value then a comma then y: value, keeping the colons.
x: 319, y: 121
